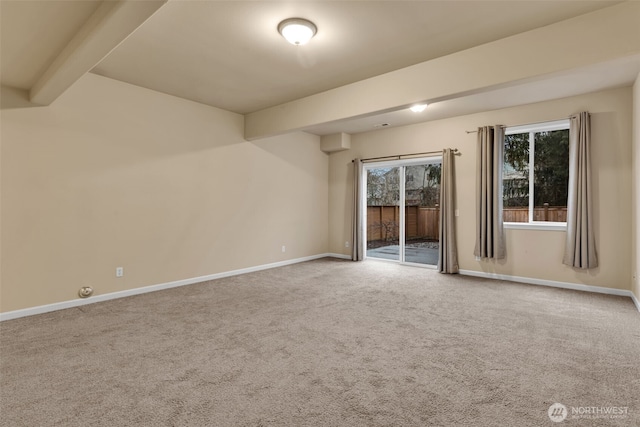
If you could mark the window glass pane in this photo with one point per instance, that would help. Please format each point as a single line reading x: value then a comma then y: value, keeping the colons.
x: 515, y: 178
x: 551, y: 175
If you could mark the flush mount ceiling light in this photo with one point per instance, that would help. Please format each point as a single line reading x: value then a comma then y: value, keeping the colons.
x: 297, y: 31
x: 418, y: 108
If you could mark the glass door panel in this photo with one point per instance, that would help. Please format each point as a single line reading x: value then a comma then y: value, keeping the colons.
x: 383, y: 213
x: 422, y: 213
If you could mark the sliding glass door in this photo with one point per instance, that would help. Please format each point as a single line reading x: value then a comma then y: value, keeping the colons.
x: 402, y: 214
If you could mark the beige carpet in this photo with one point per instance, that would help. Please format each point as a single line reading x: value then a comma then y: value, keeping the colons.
x: 326, y: 343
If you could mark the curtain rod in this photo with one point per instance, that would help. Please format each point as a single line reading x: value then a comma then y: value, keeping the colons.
x: 524, y: 124
x: 400, y: 156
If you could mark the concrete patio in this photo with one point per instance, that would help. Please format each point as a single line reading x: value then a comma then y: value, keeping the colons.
x: 419, y: 255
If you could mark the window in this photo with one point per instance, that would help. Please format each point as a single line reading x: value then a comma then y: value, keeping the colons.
x: 535, y: 174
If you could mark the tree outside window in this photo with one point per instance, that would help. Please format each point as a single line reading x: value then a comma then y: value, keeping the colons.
x: 536, y: 173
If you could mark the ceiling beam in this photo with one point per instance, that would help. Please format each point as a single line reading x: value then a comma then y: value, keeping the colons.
x: 604, y: 35
x: 105, y: 29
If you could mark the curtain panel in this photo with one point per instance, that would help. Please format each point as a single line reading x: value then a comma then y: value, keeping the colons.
x: 357, y: 238
x: 580, y: 248
x: 490, y: 242
x: 448, y: 256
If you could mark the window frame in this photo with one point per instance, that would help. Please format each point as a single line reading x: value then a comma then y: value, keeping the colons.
x: 532, y: 129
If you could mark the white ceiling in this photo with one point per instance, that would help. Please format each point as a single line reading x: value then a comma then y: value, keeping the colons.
x: 228, y: 54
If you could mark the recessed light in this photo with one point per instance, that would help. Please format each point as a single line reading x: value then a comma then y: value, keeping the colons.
x: 418, y: 108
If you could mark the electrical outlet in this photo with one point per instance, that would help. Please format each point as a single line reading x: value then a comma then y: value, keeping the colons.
x: 346, y: 244
x: 457, y: 212
x: 119, y: 271
x: 284, y: 249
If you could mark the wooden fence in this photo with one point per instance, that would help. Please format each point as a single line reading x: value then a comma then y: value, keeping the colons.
x: 545, y: 213
x: 421, y: 223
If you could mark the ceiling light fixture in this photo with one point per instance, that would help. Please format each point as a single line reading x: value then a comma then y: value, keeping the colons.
x: 297, y: 31
x: 418, y: 108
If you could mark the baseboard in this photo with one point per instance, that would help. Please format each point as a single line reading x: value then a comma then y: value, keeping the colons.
x: 152, y: 288
x: 555, y: 284
x: 635, y: 300
x: 341, y: 256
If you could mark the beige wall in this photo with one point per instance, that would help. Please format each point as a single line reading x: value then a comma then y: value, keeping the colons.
x: 115, y: 175
x: 532, y: 254
x: 636, y: 189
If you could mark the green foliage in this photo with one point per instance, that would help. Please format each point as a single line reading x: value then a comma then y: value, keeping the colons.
x: 516, y: 193
x: 430, y: 191
x: 516, y: 170
x: 516, y: 151
x: 551, y: 169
